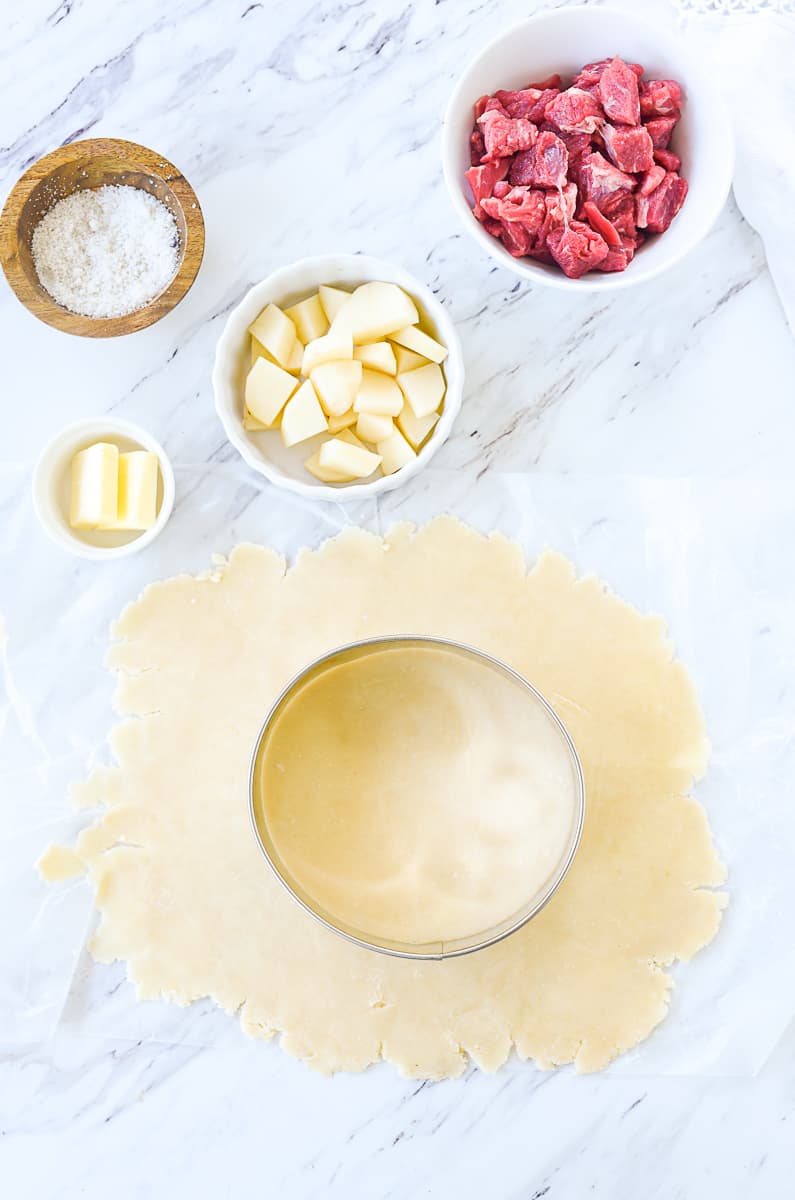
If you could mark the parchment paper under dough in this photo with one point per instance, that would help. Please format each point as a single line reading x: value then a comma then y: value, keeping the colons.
x: 186, y: 899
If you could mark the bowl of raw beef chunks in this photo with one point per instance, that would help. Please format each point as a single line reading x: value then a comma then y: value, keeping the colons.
x: 584, y: 148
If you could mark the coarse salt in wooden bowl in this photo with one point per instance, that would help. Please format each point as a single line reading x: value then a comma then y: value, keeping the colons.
x: 92, y: 164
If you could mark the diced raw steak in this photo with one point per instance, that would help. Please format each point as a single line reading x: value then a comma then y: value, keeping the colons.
x: 516, y: 239
x: 629, y: 146
x: 667, y: 159
x: 501, y: 189
x: 523, y: 206
x: 480, y: 106
x: 545, y: 165
x: 660, y: 98
x: 574, y: 111
x: 592, y: 72
x: 477, y: 147
x: 528, y: 103
x: 660, y: 129
x: 482, y: 180
x: 621, y: 214
x: 561, y: 205
x: 599, y: 222
x: 618, y: 92
x: 600, y: 179
x: 504, y: 135
x: 665, y: 202
x: 576, y: 248
x: 551, y: 82
x: 616, y: 259
x: 651, y: 180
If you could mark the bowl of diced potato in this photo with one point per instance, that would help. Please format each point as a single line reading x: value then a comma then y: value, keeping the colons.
x: 338, y: 377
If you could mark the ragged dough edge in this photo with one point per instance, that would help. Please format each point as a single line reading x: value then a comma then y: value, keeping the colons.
x: 451, y: 1059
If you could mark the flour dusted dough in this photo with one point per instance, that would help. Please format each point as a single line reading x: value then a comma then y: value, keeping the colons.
x: 187, y: 900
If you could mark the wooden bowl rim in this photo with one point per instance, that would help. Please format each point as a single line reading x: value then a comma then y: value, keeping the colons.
x: 41, y: 304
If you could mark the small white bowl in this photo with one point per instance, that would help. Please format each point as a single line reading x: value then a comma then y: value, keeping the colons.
x: 264, y: 451
x: 563, y: 41
x: 51, y: 485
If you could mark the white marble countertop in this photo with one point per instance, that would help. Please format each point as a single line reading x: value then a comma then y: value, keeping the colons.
x: 650, y: 436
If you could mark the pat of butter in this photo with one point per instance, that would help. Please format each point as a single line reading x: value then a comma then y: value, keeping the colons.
x: 95, y: 485
x: 137, y: 493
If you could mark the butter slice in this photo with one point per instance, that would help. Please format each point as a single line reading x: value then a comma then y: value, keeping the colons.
x: 95, y: 485
x: 137, y: 494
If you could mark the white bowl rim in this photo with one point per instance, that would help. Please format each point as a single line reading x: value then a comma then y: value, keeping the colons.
x: 591, y: 281
x: 99, y: 427
x: 372, y: 268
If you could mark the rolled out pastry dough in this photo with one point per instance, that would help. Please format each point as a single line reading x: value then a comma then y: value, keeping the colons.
x: 187, y: 900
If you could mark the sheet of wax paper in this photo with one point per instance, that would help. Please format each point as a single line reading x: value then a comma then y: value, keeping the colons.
x: 708, y: 555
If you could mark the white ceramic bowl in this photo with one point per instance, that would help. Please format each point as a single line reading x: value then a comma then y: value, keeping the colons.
x: 264, y: 451
x: 563, y: 41
x: 51, y: 488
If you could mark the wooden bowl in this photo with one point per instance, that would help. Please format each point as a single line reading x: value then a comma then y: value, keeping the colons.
x: 92, y: 164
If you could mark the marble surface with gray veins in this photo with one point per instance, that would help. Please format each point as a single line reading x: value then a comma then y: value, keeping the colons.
x: 648, y: 435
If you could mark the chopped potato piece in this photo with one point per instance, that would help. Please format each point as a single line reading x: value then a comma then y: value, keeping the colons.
x: 423, y: 388
x: 347, y: 435
x: 339, y: 455
x: 415, y: 429
x: 378, y: 356
x: 414, y: 339
x: 332, y: 299
x: 303, y: 417
x: 336, y: 384
x: 373, y: 427
x: 257, y: 350
x: 252, y: 424
x: 378, y: 394
x: 309, y: 318
x: 395, y: 452
x: 296, y: 359
x: 373, y: 311
x: 275, y: 332
x: 333, y: 347
x: 313, y: 466
x: 268, y: 388
x: 407, y: 360
x: 335, y: 424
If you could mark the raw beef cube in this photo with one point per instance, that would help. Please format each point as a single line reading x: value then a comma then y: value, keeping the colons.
x: 529, y: 103
x: 545, y: 165
x: 651, y: 179
x: 501, y: 189
x: 477, y: 147
x: 577, y: 145
x: 480, y: 106
x: 660, y: 129
x: 618, y: 92
x: 576, y: 248
x: 641, y: 211
x: 667, y: 159
x: 616, y: 259
x: 504, y: 136
x: 591, y: 73
x: 600, y: 180
x: 664, y: 203
x: 629, y: 146
x: 620, y: 211
x: 660, y: 98
x: 560, y: 205
x: 601, y: 225
x: 552, y: 82
x: 482, y: 180
x: 515, y: 239
x: 494, y: 105
x: 493, y: 227
x: 521, y: 206
x: 574, y: 111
